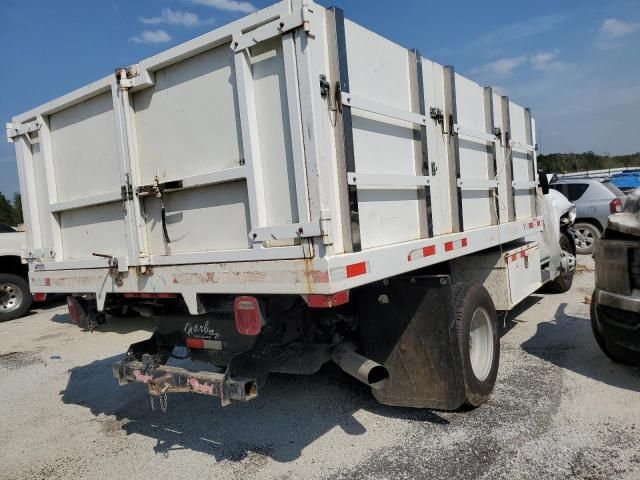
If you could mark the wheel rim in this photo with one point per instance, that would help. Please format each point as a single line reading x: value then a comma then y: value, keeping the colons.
x: 481, y: 344
x: 10, y: 297
x: 587, y: 238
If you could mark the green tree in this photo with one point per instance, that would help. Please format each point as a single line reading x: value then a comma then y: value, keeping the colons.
x: 572, y: 162
x: 7, y: 213
x: 17, y: 208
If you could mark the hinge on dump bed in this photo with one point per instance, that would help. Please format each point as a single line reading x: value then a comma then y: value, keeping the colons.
x: 38, y: 254
x: 15, y: 129
x: 133, y: 76
x: 280, y: 26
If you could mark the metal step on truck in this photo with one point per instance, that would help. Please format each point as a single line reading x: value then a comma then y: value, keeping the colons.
x: 288, y: 190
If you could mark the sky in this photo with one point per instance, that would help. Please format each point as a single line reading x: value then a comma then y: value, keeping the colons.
x: 575, y: 63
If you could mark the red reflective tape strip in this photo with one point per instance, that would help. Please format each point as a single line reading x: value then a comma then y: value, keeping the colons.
x: 195, y: 343
x: 523, y: 254
x: 319, y: 277
x: 41, y: 282
x: 356, y: 269
x: 537, y: 223
x: 424, y: 252
x: 514, y: 258
x: 448, y: 246
x: 428, y: 251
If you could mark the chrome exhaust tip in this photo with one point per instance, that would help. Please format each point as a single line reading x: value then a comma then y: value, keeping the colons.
x: 364, y: 369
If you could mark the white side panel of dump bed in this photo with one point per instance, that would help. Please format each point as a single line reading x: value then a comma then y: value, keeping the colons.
x: 380, y: 70
x: 475, y: 156
x: 432, y: 152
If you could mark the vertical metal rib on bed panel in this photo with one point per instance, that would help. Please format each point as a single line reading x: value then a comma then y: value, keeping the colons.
x: 531, y: 156
x: 422, y: 167
x: 347, y: 128
x: 124, y: 114
x: 250, y: 140
x: 492, y: 164
x: 506, y: 138
x: 27, y: 179
x: 295, y: 125
x: 454, y: 148
x: 46, y: 149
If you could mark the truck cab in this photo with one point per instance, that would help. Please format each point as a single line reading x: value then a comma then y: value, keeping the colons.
x: 15, y: 296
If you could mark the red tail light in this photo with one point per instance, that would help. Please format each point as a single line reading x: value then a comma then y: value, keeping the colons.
x: 195, y: 343
x: 247, y: 316
x: 39, y: 297
x: 615, y: 206
x: 327, y: 301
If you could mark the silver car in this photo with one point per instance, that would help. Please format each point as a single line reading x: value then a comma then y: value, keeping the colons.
x: 595, y: 200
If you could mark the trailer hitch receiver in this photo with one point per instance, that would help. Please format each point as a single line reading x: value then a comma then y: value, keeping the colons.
x: 163, y: 379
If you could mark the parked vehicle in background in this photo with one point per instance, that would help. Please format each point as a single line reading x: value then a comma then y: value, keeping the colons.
x: 563, y: 231
x: 15, y: 296
x: 615, y: 307
x: 595, y: 200
x: 626, y: 181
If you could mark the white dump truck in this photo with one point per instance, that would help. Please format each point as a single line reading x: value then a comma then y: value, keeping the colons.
x: 287, y: 190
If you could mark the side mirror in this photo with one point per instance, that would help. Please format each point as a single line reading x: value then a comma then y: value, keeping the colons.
x: 543, y: 181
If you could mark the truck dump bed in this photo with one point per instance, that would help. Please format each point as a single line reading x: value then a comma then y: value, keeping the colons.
x: 291, y: 151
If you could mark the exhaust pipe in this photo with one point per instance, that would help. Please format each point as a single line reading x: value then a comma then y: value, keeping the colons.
x: 367, y: 371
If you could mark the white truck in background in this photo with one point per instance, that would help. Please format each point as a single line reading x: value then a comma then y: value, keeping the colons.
x: 287, y: 190
x: 15, y: 297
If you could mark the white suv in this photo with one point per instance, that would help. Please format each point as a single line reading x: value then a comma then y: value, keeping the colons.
x: 15, y: 296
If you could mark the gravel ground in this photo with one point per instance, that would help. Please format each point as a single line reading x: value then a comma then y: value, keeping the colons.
x: 561, y: 409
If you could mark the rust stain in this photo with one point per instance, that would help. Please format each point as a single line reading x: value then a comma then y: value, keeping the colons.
x: 193, y: 278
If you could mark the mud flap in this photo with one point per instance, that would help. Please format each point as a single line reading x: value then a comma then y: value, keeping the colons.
x: 407, y: 324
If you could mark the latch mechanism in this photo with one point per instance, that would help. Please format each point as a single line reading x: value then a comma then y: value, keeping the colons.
x: 114, y: 270
x: 126, y: 190
x: 156, y: 189
x: 325, y: 86
x: 436, y: 114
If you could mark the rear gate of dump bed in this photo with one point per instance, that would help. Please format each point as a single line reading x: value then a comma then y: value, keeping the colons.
x: 201, y: 161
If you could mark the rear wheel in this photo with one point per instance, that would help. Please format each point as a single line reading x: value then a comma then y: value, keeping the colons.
x: 477, y: 324
x: 15, y: 297
x: 586, y: 238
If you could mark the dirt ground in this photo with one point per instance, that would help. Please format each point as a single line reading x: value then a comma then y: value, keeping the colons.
x: 560, y: 409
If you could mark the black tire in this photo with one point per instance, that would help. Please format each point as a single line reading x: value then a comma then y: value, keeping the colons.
x: 14, y: 288
x: 469, y: 298
x: 592, y: 235
x: 600, y: 340
x: 616, y: 353
x: 563, y: 283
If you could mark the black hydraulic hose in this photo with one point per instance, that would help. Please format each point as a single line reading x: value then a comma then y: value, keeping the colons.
x: 163, y: 216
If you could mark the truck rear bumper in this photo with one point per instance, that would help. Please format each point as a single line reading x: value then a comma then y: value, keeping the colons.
x: 618, y: 318
x: 165, y: 379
